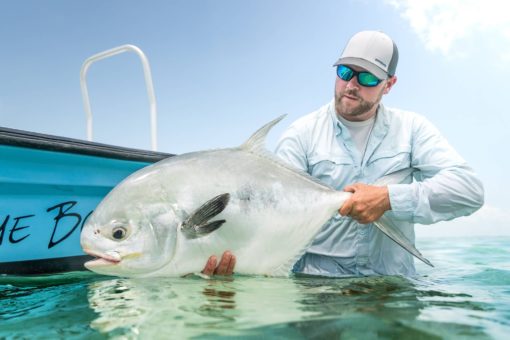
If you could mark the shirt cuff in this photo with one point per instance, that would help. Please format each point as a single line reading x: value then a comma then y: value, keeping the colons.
x: 402, y: 200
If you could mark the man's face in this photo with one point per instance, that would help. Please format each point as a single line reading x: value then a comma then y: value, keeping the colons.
x: 355, y: 102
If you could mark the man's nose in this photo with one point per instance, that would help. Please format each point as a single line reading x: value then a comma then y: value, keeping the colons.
x: 353, y: 83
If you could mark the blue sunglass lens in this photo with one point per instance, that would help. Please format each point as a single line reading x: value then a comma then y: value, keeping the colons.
x: 368, y: 79
x: 364, y: 78
x: 344, y: 72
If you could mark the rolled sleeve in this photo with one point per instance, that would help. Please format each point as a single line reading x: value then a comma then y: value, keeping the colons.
x: 402, y: 200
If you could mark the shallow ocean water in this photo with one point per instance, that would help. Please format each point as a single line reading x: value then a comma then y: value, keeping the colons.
x: 467, y: 295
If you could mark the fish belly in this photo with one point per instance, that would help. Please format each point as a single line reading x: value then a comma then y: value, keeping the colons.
x: 265, y: 241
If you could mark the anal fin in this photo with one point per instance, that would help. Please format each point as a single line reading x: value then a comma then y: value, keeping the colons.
x: 389, y: 228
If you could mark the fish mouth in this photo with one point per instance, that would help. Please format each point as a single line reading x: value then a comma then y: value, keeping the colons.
x: 101, y: 260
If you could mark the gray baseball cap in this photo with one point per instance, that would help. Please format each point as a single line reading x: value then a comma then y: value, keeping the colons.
x: 374, y: 51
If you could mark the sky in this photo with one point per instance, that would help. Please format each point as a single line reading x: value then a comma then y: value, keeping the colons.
x: 223, y: 68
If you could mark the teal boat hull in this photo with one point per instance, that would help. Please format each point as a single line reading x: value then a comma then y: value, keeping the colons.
x: 49, y: 186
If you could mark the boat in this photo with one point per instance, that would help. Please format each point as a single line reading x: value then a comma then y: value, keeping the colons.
x: 50, y: 185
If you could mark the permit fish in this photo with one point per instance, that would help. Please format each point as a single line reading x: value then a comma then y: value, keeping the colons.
x: 168, y: 218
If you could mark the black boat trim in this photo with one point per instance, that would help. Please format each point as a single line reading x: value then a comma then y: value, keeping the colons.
x: 27, y: 139
x: 46, y: 266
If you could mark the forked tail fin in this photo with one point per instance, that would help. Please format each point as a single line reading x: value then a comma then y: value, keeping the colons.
x: 387, y: 226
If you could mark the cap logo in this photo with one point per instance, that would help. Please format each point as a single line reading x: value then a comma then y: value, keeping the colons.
x: 380, y: 62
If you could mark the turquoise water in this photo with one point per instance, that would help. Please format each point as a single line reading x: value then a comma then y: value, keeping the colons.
x: 467, y: 295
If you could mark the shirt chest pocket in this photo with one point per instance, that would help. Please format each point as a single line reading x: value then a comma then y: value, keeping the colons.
x: 387, y: 161
x: 330, y: 170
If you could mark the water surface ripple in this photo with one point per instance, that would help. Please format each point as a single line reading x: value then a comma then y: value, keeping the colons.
x: 466, y: 295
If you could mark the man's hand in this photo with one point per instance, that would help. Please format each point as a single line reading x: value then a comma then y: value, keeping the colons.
x: 226, y: 266
x: 367, y: 202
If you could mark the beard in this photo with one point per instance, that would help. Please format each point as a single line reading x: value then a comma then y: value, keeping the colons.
x: 363, y: 107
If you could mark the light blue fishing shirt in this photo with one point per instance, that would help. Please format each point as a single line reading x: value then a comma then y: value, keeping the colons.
x: 444, y: 188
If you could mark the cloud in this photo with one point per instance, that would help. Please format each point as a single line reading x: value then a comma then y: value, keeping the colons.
x: 488, y: 221
x: 451, y: 27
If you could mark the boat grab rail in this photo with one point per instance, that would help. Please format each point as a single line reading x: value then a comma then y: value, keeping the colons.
x: 148, y: 83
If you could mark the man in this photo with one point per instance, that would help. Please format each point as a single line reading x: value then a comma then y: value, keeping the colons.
x: 356, y: 139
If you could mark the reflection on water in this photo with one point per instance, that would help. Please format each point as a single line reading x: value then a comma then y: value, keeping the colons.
x: 193, y: 306
x: 298, y: 308
x: 465, y: 296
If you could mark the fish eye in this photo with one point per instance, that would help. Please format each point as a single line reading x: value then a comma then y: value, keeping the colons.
x: 119, y: 233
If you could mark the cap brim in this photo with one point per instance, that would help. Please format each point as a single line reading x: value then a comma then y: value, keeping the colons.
x: 375, y: 70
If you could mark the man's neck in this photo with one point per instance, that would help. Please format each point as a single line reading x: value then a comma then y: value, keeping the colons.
x: 360, y: 118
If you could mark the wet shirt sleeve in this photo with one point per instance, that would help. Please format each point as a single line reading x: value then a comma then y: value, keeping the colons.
x: 445, y: 187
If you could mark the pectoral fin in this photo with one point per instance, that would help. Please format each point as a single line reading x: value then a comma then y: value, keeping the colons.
x: 198, y: 225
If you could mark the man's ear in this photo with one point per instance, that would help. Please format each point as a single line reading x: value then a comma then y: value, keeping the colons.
x: 389, y: 84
